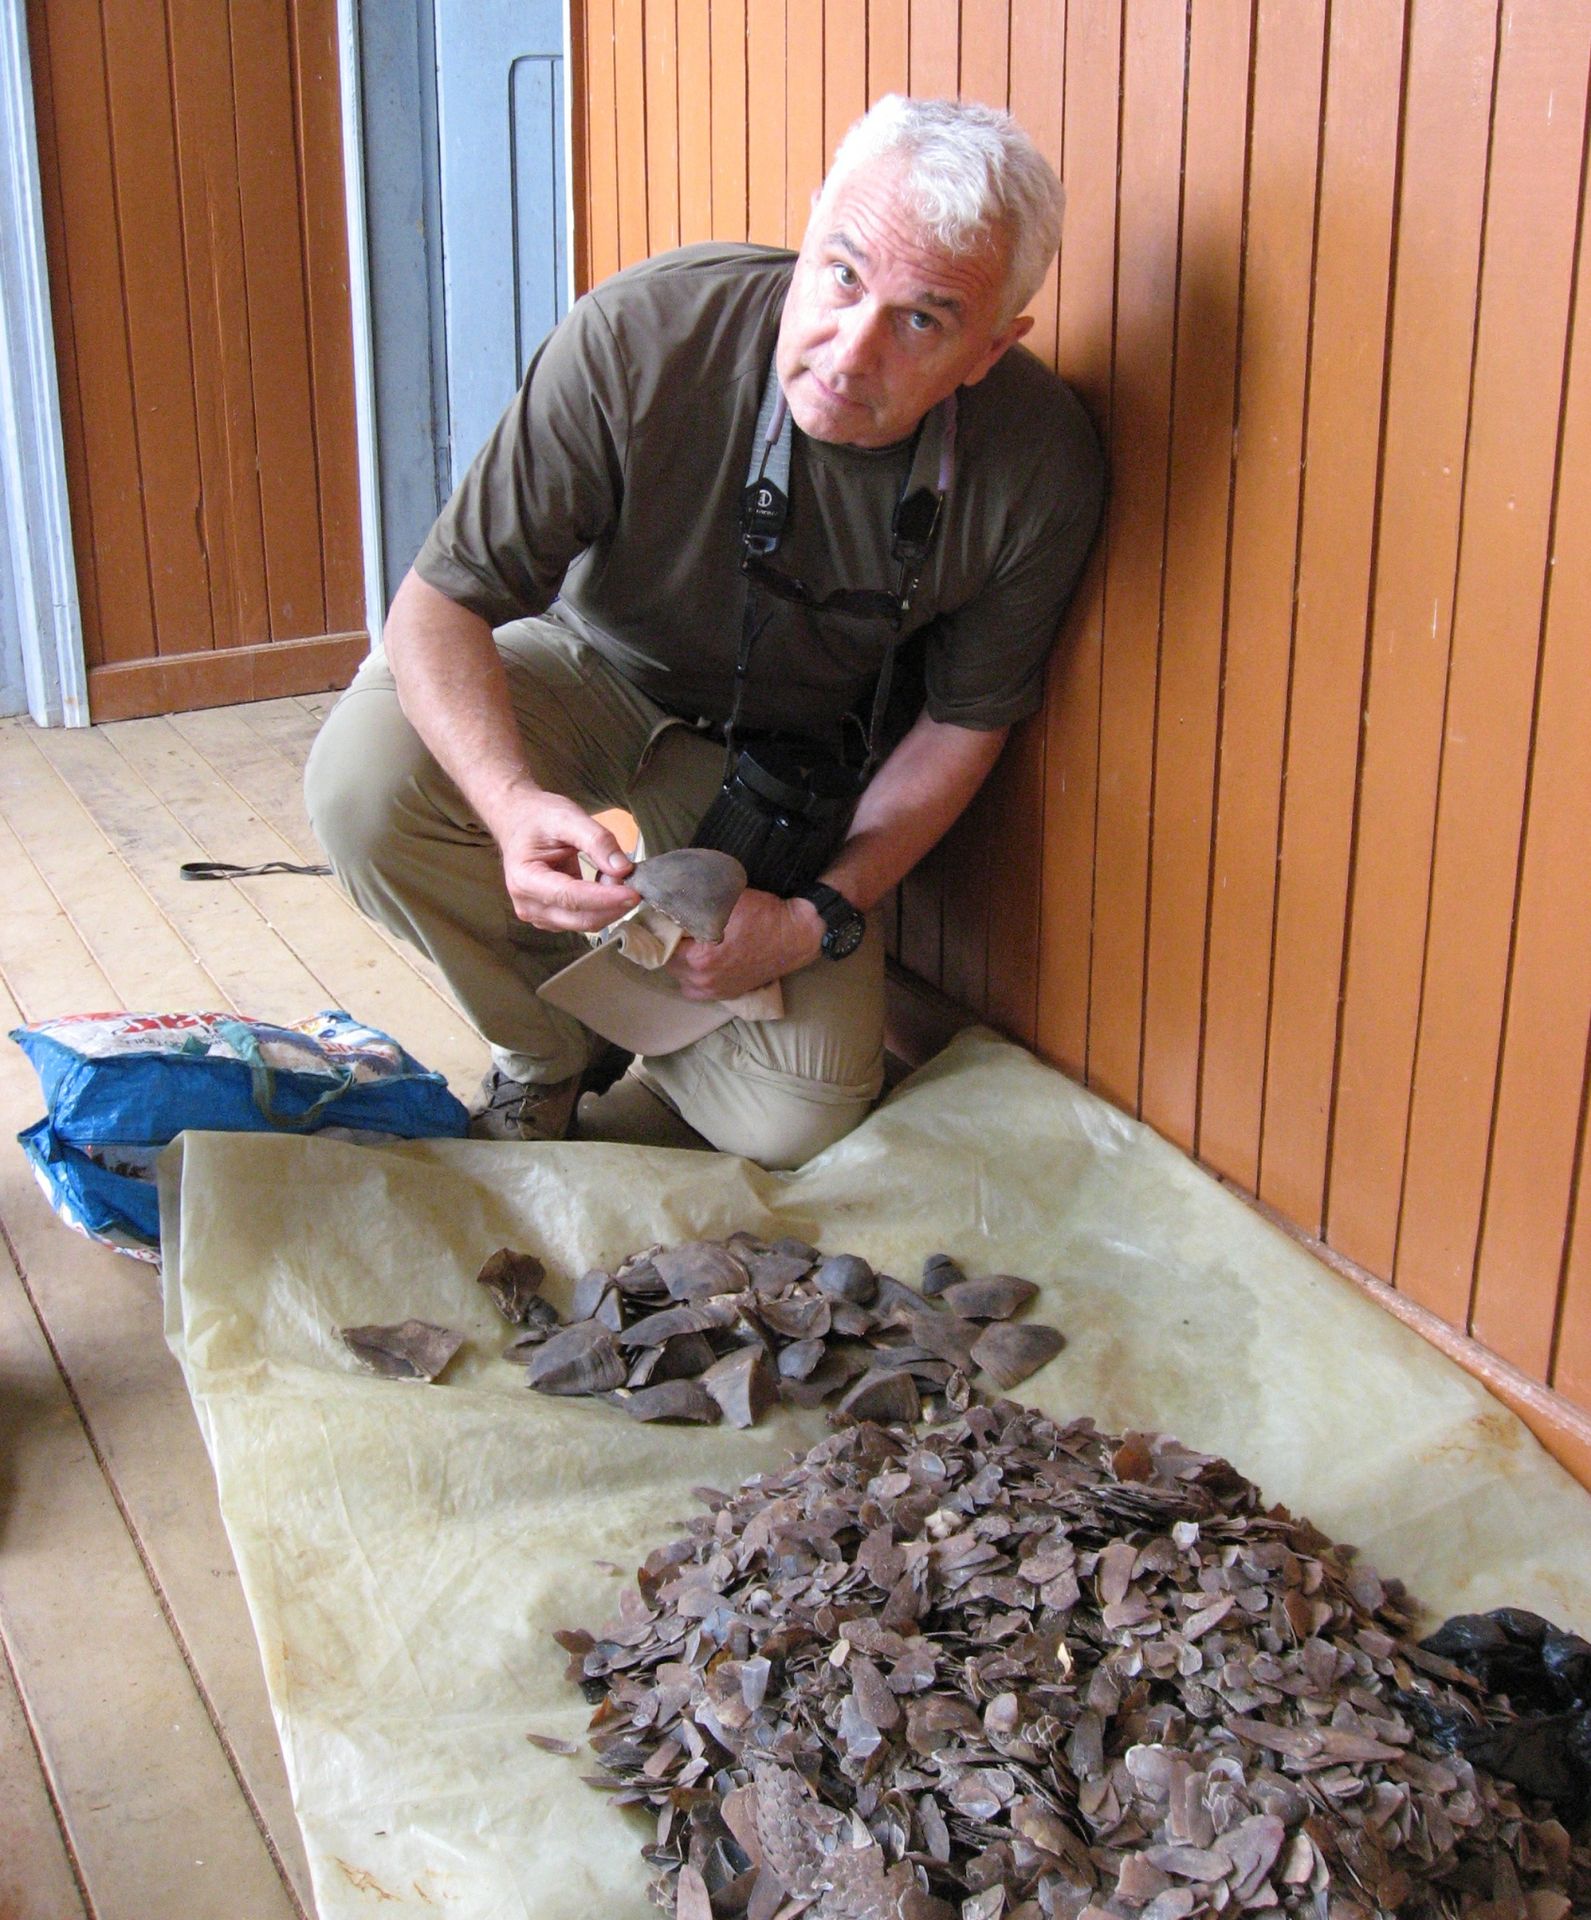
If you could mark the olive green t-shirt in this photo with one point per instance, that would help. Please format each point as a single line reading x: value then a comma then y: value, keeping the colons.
x: 610, y: 491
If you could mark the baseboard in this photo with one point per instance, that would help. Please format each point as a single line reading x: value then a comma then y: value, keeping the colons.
x: 224, y: 677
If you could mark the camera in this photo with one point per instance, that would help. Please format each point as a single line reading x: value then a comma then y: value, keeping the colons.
x: 782, y: 811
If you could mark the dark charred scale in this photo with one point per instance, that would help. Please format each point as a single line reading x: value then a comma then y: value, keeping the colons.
x: 848, y: 1277
x: 514, y: 1282
x: 698, y: 1268
x: 588, y: 1292
x: 697, y: 888
x: 684, y: 1357
x: 411, y: 1350
x: 939, y: 1272
x: 1011, y: 1354
x: 996, y: 1298
x: 883, y: 1396
x: 583, y: 1358
x: 652, y: 1329
x: 973, y: 1674
x: 535, y: 1333
x: 946, y: 1335
x: 743, y: 1385
x: 685, y: 1400
x: 682, y: 1312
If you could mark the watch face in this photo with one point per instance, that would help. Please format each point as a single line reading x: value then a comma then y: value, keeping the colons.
x: 843, y: 940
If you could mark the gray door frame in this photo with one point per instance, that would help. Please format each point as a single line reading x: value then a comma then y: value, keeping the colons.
x: 392, y: 152
x: 41, y: 631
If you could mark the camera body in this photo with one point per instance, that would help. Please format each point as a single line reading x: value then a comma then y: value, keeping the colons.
x: 782, y: 811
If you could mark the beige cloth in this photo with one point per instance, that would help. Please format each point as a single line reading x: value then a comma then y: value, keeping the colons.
x: 407, y: 1551
x: 410, y: 853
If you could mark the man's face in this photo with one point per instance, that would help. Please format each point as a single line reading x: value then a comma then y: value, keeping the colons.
x: 879, y: 324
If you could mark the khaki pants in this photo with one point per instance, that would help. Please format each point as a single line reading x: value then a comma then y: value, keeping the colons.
x: 408, y: 850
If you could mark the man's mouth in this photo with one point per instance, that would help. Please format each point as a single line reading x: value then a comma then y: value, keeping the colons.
x: 831, y: 394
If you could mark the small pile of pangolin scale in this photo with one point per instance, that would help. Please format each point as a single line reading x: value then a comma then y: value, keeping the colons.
x: 1003, y: 1668
x: 712, y: 1330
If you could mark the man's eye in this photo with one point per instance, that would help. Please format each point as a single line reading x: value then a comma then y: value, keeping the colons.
x: 922, y: 323
x: 844, y: 275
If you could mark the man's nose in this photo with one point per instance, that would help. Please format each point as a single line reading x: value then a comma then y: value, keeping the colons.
x: 857, y: 339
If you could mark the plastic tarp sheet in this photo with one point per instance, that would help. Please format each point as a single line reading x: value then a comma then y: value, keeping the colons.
x: 407, y: 1550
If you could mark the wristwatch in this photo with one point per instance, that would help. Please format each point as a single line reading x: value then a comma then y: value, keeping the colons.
x: 843, y: 924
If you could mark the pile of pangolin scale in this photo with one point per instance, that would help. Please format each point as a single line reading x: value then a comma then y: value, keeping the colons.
x: 1008, y: 1669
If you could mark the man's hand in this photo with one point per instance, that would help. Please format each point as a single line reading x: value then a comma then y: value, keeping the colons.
x: 766, y: 938
x: 542, y: 835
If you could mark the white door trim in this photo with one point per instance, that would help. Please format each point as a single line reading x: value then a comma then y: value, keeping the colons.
x: 359, y: 302
x: 32, y: 452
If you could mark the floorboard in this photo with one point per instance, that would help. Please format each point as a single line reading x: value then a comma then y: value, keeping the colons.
x: 36, y: 1879
x: 142, y: 956
x: 150, y: 1805
x: 140, y: 1772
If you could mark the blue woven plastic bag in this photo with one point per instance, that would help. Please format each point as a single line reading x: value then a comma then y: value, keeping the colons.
x: 120, y: 1086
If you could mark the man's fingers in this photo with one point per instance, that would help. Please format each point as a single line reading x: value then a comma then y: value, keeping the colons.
x: 559, y: 903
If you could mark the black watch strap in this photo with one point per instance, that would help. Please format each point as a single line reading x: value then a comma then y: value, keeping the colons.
x: 843, y: 924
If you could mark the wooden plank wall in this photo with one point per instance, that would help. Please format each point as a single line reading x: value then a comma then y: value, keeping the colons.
x: 191, y: 162
x: 1294, y: 863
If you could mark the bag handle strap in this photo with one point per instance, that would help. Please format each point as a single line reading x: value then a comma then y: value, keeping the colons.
x: 262, y: 1079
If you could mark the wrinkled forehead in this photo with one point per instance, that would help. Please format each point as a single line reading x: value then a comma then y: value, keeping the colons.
x: 871, y: 206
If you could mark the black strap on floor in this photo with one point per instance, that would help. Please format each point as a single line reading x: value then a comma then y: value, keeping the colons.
x: 225, y: 870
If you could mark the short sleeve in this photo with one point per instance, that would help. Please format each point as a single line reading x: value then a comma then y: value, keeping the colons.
x: 985, y: 659
x: 548, y: 483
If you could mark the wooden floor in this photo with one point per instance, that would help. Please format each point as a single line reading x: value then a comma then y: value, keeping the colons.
x: 139, y: 1769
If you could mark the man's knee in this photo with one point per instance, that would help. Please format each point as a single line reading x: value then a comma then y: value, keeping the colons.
x: 787, y: 1131
x: 362, y: 779
x: 779, y: 1120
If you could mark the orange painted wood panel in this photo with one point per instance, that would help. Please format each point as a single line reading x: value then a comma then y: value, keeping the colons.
x: 1352, y: 282
x: 1533, y: 206
x: 1324, y: 670
x: 597, y: 235
x: 844, y: 69
x: 695, y: 121
x: 1146, y: 290
x: 806, y: 155
x: 730, y: 126
x: 278, y: 324
x: 143, y: 144
x: 1009, y: 817
x: 1273, y: 370
x: 1447, y: 124
x: 1541, y: 1088
x: 986, y: 51
x: 218, y: 318
x: 193, y: 200
x: 1085, y: 306
x: 1571, y: 1357
x: 629, y: 111
x: 765, y: 110
x: 934, y: 58
x: 1187, y: 708
x: 331, y: 367
x: 888, y: 47
x: 102, y: 459
x: 1012, y: 808
x: 660, y: 28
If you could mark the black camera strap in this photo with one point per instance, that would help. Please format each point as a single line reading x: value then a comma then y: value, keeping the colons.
x: 765, y: 513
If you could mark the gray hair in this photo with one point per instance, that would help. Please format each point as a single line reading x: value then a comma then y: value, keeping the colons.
x: 973, y: 178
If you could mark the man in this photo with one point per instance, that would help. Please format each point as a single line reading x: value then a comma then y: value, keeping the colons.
x: 603, y: 533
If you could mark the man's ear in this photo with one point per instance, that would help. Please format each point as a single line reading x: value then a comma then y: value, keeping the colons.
x: 998, y: 346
